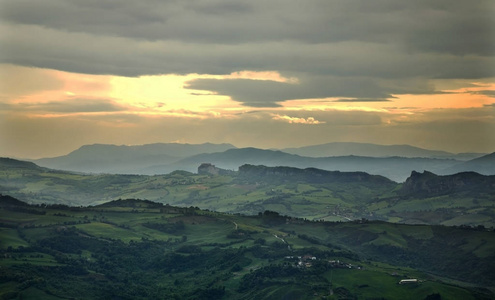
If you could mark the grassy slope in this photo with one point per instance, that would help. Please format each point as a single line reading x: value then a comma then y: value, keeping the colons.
x: 125, y: 221
x: 331, y: 201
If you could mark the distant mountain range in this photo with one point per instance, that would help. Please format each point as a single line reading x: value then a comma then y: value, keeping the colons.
x: 374, y: 150
x: 101, y: 158
x: 483, y: 165
x: 396, y: 162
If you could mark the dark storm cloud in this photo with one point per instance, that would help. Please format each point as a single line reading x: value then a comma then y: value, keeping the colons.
x: 357, y: 45
x: 86, y: 53
x: 459, y: 27
x: 267, y: 93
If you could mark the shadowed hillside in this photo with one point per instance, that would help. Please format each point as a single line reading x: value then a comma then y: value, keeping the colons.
x: 427, y: 184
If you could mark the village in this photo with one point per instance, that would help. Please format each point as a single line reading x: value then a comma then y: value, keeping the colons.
x: 307, y: 261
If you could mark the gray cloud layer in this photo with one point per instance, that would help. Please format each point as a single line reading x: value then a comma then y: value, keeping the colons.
x: 459, y: 27
x: 339, y: 48
x: 259, y: 93
x: 71, y: 105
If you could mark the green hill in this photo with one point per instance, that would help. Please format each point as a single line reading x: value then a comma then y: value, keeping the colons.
x: 10, y: 163
x: 427, y: 184
x: 133, y: 249
x: 314, y: 194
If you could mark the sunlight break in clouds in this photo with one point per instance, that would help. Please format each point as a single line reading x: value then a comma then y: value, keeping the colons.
x: 163, y: 93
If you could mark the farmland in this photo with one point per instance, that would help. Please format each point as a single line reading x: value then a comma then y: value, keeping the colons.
x: 141, y: 249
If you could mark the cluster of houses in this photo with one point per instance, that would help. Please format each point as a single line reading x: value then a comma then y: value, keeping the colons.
x: 307, y: 260
x: 304, y: 261
x: 343, y: 265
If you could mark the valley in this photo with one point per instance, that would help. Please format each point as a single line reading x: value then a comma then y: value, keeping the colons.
x: 248, y: 231
x: 136, y: 249
x: 247, y: 150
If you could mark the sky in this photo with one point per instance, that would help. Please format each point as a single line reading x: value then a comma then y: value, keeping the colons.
x: 266, y: 74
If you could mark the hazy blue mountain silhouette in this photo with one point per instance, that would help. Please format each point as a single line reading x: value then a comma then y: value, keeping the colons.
x: 165, y: 158
x: 484, y: 165
x: 395, y: 168
x: 101, y: 158
x: 374, y: 150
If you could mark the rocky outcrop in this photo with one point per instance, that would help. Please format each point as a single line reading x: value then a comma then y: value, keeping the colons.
x: 427, y: 184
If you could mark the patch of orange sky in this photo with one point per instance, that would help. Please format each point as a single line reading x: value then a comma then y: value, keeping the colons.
x: 463, y: 97
x: 159, y: 95
x: 22, y: 85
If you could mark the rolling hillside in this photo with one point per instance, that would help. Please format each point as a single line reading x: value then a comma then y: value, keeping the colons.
x: 309, y: 193
x: 134, y: 249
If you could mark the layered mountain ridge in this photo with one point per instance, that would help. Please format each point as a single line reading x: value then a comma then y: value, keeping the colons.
x: 316, y: 194
x: 396, y: 162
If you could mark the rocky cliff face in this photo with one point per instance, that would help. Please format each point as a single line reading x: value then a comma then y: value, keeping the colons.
x: 429, y: 184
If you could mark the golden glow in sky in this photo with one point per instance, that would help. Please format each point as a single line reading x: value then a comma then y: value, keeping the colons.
x: 111, y: 101
x: 167, y: 94
x: 253, y: 74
